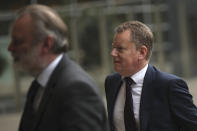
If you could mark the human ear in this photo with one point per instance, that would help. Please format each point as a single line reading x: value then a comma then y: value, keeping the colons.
x: 48, y: 44
x: 142, y: 52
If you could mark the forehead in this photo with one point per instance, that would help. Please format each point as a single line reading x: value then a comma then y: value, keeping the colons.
x: 122, y: 39
x: 22, y: 25
x: 122, y: 36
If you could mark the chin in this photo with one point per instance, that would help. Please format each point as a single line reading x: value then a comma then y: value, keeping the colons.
x: 121, y: 72
x: 117, y: 70
x: 19, y: 67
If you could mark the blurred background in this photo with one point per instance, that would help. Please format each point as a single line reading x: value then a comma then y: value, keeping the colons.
x: 91, y: 24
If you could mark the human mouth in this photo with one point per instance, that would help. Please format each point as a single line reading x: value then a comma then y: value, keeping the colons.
x: 15, y: 58
x: 116, y: 61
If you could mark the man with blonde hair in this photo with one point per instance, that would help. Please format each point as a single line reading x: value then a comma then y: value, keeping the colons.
x: 139, y: 96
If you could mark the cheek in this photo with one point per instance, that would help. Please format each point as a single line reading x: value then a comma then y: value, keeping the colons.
x: 130, y: 60
x: 24, y: 52
x: 124, y: 62
x: 21, y: 50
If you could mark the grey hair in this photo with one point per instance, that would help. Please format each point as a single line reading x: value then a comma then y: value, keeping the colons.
x: 45, y: 22
x: 140, y: 34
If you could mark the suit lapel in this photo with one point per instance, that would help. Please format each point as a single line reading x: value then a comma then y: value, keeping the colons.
x: 48, y: 91
x: 146, y: 98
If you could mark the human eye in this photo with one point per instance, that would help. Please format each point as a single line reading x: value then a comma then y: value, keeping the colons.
x: 17, y: 41
x: 119, y: 49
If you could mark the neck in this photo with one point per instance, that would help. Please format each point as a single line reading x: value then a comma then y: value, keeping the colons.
x: 137, y: 69
x: 44, y: 62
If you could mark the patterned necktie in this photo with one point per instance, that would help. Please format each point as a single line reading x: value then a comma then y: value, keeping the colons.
x: 29, y: 111
x: 130, y: 123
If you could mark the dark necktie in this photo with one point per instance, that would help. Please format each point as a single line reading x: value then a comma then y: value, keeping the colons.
x: 28, y: 116
x: 130, y: 123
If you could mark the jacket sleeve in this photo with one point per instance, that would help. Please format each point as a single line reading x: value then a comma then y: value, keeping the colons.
x: 182, y: 107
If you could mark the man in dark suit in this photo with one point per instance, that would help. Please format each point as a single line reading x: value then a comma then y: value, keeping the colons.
x: 152, y: 100
x: 62, y: 97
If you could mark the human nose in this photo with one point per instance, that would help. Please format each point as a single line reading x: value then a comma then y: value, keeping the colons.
x: 10, y: 47
x: 114, y: 52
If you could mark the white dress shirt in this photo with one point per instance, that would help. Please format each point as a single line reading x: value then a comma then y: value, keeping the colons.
x: 43, y: 79
x: 138, y: 78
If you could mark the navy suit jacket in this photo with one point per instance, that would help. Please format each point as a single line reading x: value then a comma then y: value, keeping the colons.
x: 165, y: 105
x: 71, y: 102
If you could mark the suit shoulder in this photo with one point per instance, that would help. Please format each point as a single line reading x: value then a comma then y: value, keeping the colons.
x: 69, y: 73
x: 73, y: 79
x: 164, y: 78
x: 113, y: 76
x: 112, y: 79
x: 164, y: 75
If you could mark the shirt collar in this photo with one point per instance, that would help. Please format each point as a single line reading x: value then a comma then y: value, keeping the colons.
x: 46, y: 73
x: 138, y: 77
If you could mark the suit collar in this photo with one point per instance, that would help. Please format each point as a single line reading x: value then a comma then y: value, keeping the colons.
x: 138, y: 77
x: 46, y: 73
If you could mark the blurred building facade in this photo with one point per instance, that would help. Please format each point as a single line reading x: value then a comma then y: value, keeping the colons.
x: 91, y: 24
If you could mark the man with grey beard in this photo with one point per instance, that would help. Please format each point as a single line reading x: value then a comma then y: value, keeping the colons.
x: 62, y: 97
